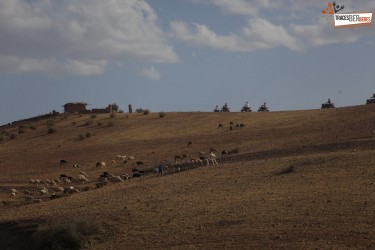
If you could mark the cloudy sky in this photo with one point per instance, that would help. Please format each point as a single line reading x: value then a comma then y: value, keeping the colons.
x: 180, y: 55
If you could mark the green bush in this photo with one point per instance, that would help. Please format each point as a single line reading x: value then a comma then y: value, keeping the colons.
x: 161, y: 114
x: 68, y: 235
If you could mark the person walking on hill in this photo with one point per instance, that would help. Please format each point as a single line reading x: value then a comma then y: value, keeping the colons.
x: 161, y: 169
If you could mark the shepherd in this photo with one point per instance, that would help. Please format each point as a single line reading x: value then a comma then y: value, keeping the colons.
x: 161, y: 169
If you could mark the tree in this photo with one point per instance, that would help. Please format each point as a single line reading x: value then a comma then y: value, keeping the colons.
x: 115, y: 107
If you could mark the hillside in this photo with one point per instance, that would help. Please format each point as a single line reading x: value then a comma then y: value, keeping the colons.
x: 301, y: 179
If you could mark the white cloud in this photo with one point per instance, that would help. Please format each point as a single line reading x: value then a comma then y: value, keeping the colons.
x: 259, y: 34
x: 242, y: 7
x: 78, y: 37
x: 151, y: 73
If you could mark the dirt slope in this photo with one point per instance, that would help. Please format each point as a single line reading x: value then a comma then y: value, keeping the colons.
x: 301, y: 179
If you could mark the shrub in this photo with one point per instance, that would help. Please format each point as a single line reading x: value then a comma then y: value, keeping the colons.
x: 13, y: 136
x: 68, y: 235
x: 161, y: 114
x: 32, y: 127
x: 93, y: 116
x: 121, y: 111
x: 110, y: 124
x: 88, y: 135
x: 287, y: 170
x: 21, y: 131
x: 146, y: 112
x: 139, y: 111
x: 88, y: 123
x: 99, y: 124
x: 112, y: 115
x: 51, y: 130
x: 81, y: 137
x: 74, y: 123
x: 2, y: 138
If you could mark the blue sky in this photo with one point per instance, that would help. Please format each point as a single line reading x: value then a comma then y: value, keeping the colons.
x: 180, y: 55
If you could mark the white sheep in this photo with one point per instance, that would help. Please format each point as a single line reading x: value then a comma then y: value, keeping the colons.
x: 116, y: 179
x: 213, y: 159
x: 82, y: 178
x: 83, y: 173
x: 60, y: 189
x: 43, y: 191
x: 100, y: 164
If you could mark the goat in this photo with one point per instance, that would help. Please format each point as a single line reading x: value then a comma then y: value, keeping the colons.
x: 177, y: 158
x: 224, y: 152
x: 63, y: 162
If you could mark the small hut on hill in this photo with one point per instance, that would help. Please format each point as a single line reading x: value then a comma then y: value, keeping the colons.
x: 75, y: 107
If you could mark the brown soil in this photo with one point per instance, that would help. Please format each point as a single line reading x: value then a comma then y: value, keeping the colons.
x: 301, y: 179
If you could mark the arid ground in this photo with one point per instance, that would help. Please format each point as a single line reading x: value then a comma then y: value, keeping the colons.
x: 300, y: 180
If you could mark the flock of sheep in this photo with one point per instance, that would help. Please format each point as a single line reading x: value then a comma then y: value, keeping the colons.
x: 44, y: 189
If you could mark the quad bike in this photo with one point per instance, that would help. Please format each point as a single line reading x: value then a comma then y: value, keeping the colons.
x: 328, y: 105
x: 246, y: 109
x: 371, y: 100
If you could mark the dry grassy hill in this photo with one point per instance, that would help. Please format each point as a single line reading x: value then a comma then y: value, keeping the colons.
x: 301, y: 179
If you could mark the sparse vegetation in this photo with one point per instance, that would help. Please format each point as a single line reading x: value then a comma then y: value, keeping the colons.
x: 74, y: 123
x: 12, y: 136
x: 21, y: 131
x: 93, y: 116
x: 88, y: 135
x: 88, y: 123
x: 110, y: 124
x: 2, y: 138
x: 161, y: 114
x: 32, y: 127
x: 112, y: 115
x: 68, y: 235
x: 115, y: 107
x: 51, y: 130
x: 99, y: 124
x: 146, y: 112
x: 288, y: 170
x: 81, y: 137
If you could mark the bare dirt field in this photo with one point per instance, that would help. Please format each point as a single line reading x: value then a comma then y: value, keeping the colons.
x: 300, y: 180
